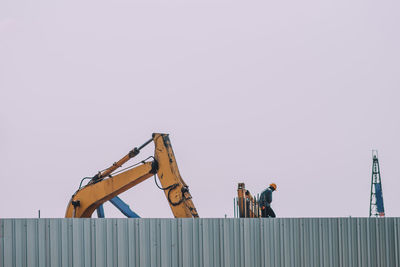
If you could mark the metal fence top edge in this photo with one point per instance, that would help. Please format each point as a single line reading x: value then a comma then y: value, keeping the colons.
x: 204, y: 219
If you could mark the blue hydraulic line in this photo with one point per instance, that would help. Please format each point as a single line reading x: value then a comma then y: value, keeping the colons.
x: 124, y: 208
x: 100, y: 211
x: 121, y: 205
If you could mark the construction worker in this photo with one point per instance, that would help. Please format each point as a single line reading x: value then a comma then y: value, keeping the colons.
x: 265, y: 202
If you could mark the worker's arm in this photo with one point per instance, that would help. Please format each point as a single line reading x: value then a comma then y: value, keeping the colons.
x: 86, y: 200
x: 268, y: 196
x: 263, y: 198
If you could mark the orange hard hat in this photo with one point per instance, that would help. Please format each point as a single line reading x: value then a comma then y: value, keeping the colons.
x: 273, y: 185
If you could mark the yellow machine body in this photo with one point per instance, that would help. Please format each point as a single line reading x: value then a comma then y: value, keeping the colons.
x: 104, y: 186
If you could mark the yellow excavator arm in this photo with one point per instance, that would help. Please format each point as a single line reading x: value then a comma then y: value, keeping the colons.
x: 105, y: 186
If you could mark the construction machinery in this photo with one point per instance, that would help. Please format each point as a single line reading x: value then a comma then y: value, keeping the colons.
x: 108, y: 184
x: 247, y: 206
x: 376, y: 207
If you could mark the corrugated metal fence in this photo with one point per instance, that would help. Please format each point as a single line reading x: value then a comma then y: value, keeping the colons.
x: 200, y: 242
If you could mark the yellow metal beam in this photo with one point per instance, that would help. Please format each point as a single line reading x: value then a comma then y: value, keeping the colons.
x: 86, y: 200
x: 175, y: 188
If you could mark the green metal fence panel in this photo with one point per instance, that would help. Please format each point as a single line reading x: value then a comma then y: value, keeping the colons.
x: 200, y: 242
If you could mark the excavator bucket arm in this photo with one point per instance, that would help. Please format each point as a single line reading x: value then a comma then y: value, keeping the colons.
x: 175, y: 189
x: 103, y: 186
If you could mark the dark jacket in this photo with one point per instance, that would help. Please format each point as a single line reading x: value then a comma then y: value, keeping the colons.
x: 266, y: 197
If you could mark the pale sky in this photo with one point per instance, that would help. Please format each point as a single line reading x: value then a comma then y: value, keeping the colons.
x: 294, y: 92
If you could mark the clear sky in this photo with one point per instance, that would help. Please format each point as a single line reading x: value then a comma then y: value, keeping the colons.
x: 292, y: 92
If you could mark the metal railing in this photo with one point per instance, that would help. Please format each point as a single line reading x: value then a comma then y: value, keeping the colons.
x: 247, y: 207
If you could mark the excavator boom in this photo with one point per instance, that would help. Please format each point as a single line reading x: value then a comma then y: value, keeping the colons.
x: 103, y: 186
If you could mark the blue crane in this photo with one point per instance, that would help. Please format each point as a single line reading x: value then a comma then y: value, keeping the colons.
x: 376, y: 207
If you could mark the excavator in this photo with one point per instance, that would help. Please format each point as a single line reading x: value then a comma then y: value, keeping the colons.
x: 109, y: 183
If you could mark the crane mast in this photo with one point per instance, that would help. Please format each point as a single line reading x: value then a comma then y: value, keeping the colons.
x: 376, y: 207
